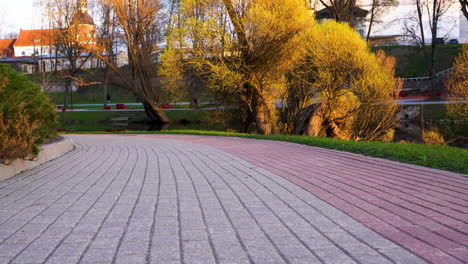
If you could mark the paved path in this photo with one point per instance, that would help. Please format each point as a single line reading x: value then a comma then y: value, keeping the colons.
x: 191, y: 199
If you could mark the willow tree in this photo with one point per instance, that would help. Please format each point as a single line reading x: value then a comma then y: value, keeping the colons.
x: 354, y: 89
x: 243, y: 48
x: 139, y: 27
x: 457, y: 87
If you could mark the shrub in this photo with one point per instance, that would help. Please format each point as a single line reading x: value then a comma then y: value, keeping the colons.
x: 457, y: 87
x: 26, y: 116
x: 356, y: 85
x: 432, y: 137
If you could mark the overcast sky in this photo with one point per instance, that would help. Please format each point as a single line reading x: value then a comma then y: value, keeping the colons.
x: 18, y: 14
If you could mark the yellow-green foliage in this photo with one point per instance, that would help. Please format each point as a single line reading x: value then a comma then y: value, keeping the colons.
x: 253, y: 73
x: 26, y: 116
x: 457, y: 86
x: 343, y: 64
x: 432, y: 137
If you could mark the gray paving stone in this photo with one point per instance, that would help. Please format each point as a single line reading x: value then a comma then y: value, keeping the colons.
x: 199, y: 258
x: 11, y: 250
x: 196, y: 246
x: 98, y: 255
x: 134, y: 259
x: 333, y: 255
x: 295, y: 251
x: 70, y: 249
x: 133, y: 248
x: 265, y: 257
x: 165, y: 253
x: 63, y: 260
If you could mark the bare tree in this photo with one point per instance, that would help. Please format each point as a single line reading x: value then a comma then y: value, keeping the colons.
x: 75, y: 30
x: 140, y: 24
x: 341, y: 10
x: 378, y: 7
x: 2, y: 21
x: 108, y: 38
x: 464, y: 7
x: 430, y: 12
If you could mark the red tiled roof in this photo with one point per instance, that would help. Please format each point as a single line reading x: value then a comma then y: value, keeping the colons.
x: 37, y: 37
x: 6, y: 47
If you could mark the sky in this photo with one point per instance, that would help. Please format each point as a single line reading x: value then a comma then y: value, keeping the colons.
x: 18, y: 14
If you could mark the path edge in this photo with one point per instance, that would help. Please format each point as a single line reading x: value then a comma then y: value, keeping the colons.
x: 48, y: 152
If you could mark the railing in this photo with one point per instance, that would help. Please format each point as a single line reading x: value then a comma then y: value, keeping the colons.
x: 427, y: 78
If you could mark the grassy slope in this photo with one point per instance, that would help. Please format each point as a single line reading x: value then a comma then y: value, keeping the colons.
x: 411, y: 63
x: 440, y: 157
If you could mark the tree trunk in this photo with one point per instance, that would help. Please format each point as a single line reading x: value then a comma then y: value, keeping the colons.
x: 263, y: 120
x: 435, y: 20
x: 154, y: 113
x: 371, y: 21
x: 67, y: 91
x: 419, y: 10
x: 464, y: 6
x: 309, y: 120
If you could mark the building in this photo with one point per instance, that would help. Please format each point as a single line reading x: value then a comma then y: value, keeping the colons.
x: 6, y: 47
x: 43, y: 50
x: 36, y: 42
x: 394, y: 22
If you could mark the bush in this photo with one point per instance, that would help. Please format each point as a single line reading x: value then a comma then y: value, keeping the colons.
x: 432, y: 137
x: 356, y: 85
x: 26, y: 116
x: 457, y: 87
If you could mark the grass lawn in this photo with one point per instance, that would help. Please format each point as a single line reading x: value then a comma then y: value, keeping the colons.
x: 410, y: 59
x: 94, y: 94
x: 439, y: 157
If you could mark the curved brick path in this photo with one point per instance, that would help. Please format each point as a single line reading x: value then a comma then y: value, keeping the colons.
x: 192, y: 199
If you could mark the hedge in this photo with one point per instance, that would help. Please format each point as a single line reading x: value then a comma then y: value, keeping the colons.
x: 26, y: 116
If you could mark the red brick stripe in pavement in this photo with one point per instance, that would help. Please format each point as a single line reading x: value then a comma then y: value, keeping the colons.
x: 421, y: 209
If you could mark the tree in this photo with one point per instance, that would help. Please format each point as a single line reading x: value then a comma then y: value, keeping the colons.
x: 107, y: 38
x: 75, y: 30
x: 378, y: 7
x: 433, y: 11
x: 457, y: 87
x: 26, y: 116
x: 2, y: 21
x: 243, y: 50
x: 343, y: 10
x: 140, y: 24
x: 464, y: 7
x: 353, y: 88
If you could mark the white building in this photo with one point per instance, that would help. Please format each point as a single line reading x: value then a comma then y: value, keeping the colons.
x: 452, y: 25
x: 393, y: 24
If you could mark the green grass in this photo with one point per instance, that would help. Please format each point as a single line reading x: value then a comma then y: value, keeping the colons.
x: 411, y: 63
x: 94, y: 95
x: 439, y: 157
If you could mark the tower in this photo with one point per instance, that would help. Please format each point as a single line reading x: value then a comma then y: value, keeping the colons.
x: 82, y: 25
x: 82, y: 6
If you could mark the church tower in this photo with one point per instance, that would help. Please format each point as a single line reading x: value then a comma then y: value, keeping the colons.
x: 82, y: 6
x: 82, y: 25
